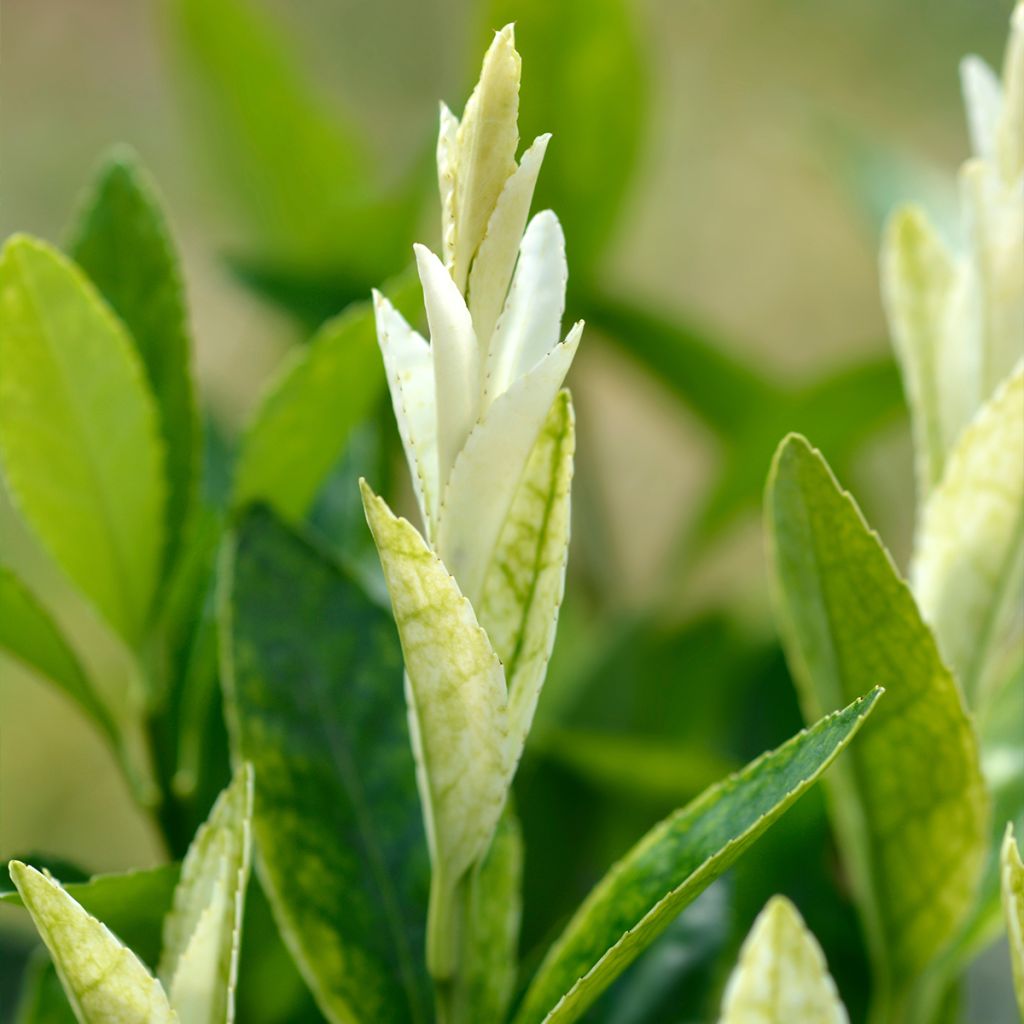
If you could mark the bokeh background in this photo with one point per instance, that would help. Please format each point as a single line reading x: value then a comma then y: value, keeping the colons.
x: 723, y: 170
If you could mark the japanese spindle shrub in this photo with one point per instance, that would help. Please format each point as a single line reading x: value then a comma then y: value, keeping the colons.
x: 374, y: 751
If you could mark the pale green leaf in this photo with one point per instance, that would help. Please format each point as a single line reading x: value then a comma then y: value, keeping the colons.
x: 921, y: 285
x: 913, y: 837
x: 525, y: 580
x: 487, y: 471
x: 781, y: 976
x: 490, y: 927
x: 483, y: 155
x: 495, y: 259
x: 676, y: 861
x: 123, y: 243
x: 202, y: 931
x: 78, y: 433
x: 458, y: 713
x: 968, y: 569
x: 103, y: 979
x: 29, y: 633
x: 1013, y: 908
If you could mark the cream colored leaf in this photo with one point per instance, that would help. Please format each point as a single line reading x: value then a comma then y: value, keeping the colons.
x: 409, y: 365
x: 1010, y: 129
x: 492, y: 269
x: 1012, y: 877
x: 105, y: 982
x: 529, y: 326
x: 487, y: 471
x: 202, y: 931
x: 921, y: 287
x: 525, y: 580
x: 456, y: 359
x: 781, y: 976
x: 983, y: 98
x: 457, y: 710
x: 485, y: 149
x: 968, y: 573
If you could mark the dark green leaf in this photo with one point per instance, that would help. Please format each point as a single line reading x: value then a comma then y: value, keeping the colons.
x: 122, y: 242
x: 673, y: 864
x: 42, y: 998
x: 321, y: 715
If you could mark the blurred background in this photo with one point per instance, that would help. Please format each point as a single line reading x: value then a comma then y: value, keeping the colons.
x: 722, y: 171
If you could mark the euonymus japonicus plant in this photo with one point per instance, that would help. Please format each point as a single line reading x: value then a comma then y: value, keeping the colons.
x: 921, y: 803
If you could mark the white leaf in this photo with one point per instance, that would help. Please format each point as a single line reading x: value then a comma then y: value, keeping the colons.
x: 983, y: 98
x: 457, y: 711
x: 456, y: 359
x: 202, y: 930
x: 409, y: 365
x: 488, y: 469
x: 492, y: 269
x: 968, y: 570
x: 105, y: 982
x: 446, y: 158
x: 531, y: 323
x: 781, y: 976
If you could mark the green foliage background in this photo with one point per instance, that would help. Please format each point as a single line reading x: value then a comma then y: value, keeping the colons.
x: 721, y: 171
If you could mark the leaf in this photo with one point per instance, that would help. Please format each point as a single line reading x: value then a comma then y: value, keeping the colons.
x: 483, y: 482
x: 922, y: 286
x: 490, y: 939
x: 913, y: 838
x: 525, y: 579
x: 458, y: 715
x: 203, y: 930
x: 42, y: 998
x: 781, y: 975
x: 28, y: 633
x: 673, y: 864
x: 78, y: 433
x: 299, y: 169
x: 103, y: 979
x: 478, y: 155
x: 1013, y: 908
x: 586, y: 83
x: 307, y: 416
x: 131, y: 903
x: 122, y: 242
x: 968, y: 571
x: 337, y: 820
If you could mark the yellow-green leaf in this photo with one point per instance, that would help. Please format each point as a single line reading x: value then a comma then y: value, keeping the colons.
x: 105, y: 981
x: 969, y: 562
x: 78, y: 433
x: 1013, y: 908
x: 781, y: 976
x: 909, y: 802
x: 202, y: 931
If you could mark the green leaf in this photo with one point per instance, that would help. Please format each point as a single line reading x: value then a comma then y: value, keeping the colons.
x: 132, y: 904
x: 103, y: 979
x: 1013, y: 908
x: 122, y: 242
x: 586, y: 83
x: 42, y: 997
x: 309, y: 412
x: 28, y: 633
x: 458, y: 713
x: 78, y: 433
x: 673, y: 864
x: 968, y: 572
x: 299, y: 171
x: 337, y: 820
x: 908, y: 832
x: 525, y: 579
x: 781, y: 975
x: 203, y: 930
x: 490, y: 936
